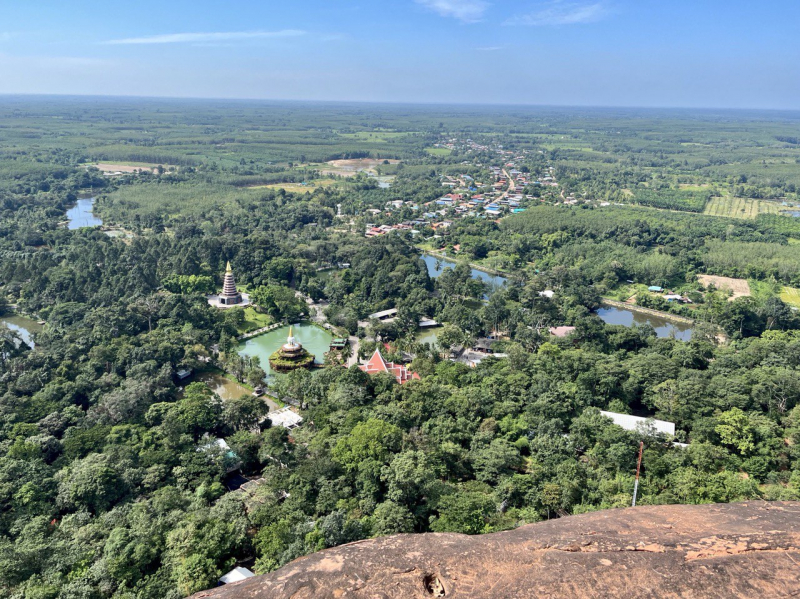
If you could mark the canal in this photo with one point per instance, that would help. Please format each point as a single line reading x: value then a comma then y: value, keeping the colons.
x: 436, y: 267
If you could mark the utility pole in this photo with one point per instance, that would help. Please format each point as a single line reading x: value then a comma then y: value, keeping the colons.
x: 638, y: 469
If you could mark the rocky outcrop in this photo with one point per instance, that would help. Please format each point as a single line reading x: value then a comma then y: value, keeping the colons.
x: 721, y: 551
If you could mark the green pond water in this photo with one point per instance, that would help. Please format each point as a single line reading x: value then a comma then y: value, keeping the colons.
x: 428, y: 335
x: 226, y: 388
x: 311, y: 337
x: 22, y: 325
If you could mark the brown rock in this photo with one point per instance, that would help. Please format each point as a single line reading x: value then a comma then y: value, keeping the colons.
x: 720, y: 551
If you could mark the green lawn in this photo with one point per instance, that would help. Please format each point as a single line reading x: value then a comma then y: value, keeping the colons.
x: 253, y: 320
x: 439, y: 151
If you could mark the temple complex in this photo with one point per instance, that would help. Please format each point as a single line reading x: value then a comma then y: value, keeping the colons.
x: 291, y: 356
x: 377, y: 364
x: 230, y: 296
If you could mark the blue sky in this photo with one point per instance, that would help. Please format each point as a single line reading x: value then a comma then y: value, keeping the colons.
x: 693, y: 53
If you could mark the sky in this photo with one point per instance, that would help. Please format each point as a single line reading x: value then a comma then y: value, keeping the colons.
x: 649, y: 53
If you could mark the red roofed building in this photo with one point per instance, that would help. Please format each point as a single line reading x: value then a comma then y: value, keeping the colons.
x: 377, y: 364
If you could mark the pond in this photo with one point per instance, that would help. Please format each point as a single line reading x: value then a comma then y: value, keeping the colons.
x: 494, y: 281
x: 81, y: 215
x: 226, y: 388
x: 429, y: 335
x: 311, y: 337
x: 662, y: 326
x: 384, y: 182
x: 25, y: 327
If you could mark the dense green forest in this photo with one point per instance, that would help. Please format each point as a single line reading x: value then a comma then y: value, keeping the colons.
x: 110, y: 483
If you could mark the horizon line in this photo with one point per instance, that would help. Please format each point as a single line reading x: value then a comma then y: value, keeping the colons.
x: 392, y: 103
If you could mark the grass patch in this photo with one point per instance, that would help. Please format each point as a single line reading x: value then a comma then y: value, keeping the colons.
x: 299, y: 187
x: 791, y: 296
x: 439, y: 151
x: 253, y: 320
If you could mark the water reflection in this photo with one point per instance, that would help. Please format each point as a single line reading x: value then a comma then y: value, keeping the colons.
x: 663, y: 327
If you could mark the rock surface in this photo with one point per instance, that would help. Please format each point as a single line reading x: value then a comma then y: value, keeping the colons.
x: 736, y: 550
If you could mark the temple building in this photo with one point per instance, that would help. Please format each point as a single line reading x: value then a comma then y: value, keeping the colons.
x: 291, y: 356
x: 230, y: 296
x: 377, y: 364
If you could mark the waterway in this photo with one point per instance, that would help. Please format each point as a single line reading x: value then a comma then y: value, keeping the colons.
x: 311, y: 337
x: 437, y: 265
x: 81, y: 215
x: 22, y: 325
x: 663, y: 327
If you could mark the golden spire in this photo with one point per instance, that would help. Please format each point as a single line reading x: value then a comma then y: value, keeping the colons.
x: 228, y: 267
x: 290, y: 331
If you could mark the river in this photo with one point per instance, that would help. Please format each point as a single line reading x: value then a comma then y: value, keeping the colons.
x: 313, y: 338
x: 24, y: 326
x: 81, y: 215
x: 494, y: 281
x: 662, y: 326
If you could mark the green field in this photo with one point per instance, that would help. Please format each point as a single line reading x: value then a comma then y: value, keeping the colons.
x: 439, y: 151
x: 740, y: 207
x: 791, y: 295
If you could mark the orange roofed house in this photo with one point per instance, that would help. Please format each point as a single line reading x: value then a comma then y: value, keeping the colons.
x: 377, y: 364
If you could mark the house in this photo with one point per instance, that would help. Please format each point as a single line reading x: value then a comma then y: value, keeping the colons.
x: 548, y: 293
x: 655, y: 289
x: 483, y: 346
x: 285, y: 417
x: 236, y: 575
x: 337, y: 344
x: 377, y: 365
x: 632, y: 423
x: 384, y: 315
x: 183, y: 374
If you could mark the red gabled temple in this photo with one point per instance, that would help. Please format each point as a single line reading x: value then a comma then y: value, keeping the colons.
x: 377, y: 364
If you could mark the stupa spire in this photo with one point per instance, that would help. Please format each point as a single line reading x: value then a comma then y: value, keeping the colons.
x: 230, y: 296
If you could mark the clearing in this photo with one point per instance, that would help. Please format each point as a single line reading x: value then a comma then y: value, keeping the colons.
x: 128, y: 167
x: 740, y: 207
x: 352, y: 166
x: 791, y: 296
x: 297, y: 187
x: 739, y: 287
x: 439, y: 151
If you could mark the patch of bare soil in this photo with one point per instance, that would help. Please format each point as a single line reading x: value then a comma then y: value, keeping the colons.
x: 739, y: 287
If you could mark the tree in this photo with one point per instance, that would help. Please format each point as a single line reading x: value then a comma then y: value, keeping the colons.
x: 734, y: 430
x: 371, y: 440
x: 244, y: 412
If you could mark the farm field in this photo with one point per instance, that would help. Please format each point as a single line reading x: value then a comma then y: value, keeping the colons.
x: 740, y: 287
x: 740, y: 207
x: 439, y: 151
x: 298, y: 187
x: 125, y: 167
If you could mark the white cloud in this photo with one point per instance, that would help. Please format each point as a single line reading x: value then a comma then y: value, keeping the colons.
x: 562, y: 13
x: 468, y: 11
x: 214, y: 36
